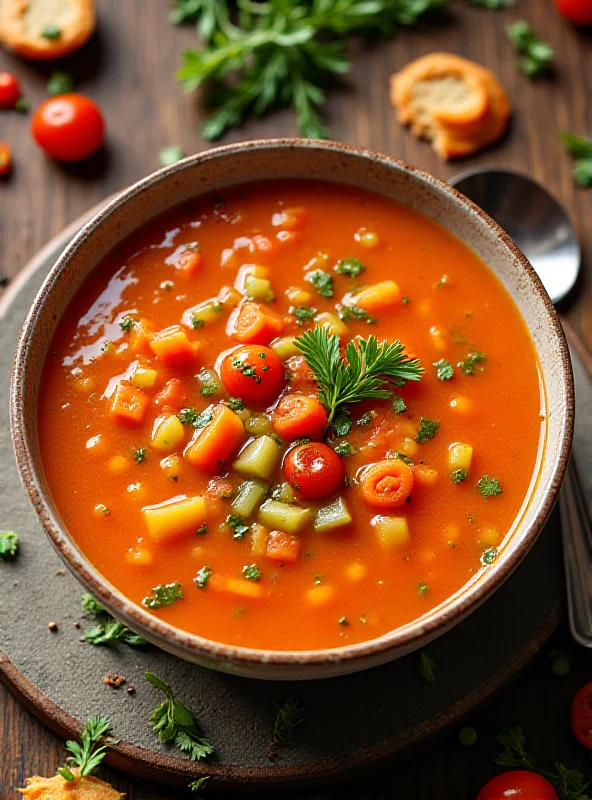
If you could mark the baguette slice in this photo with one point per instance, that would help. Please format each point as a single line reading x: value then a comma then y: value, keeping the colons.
x: 46, y: 29
x: 56, y: 788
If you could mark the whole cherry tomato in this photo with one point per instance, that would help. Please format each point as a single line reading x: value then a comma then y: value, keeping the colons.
x: 5, y: 159
x: 314, y: 470
x: 10, y: 91
x: 577, y: 11
x: 254, y: 373
x: 581, y: 716
x: 69, y: 127
x: 518, y: 784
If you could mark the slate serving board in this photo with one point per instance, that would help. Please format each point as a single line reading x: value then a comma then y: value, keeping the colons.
x: 351, y: 722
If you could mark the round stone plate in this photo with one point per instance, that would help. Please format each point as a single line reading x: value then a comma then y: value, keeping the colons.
x: 351, y: 722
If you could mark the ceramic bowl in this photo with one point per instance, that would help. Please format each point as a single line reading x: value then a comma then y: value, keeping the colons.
x: 277, y: 159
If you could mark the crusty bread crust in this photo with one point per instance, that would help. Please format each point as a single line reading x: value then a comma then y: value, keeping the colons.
x: 22, y: 25
x: 56, y: 788
x: 455, y: 103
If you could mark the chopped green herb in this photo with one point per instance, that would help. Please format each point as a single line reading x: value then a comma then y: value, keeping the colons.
x: 139, y: 454
x: 399, y: 406
x: 203, y: 529
x: 111, y: 630
x: 92, y: 606
x: 427, y: 668
x: 127, y: 324
x: 289, y: 715
x: 322, y: 282
x: 492, y: 5
x: 199, y: 784
x: 365, y: 419
x: 21, y: 105
x: 86, y: 755
x: 343, y: 621
x: 422, y: 588
x: 406, y: 299
x: 560, y: 663
x: 209, y: 384
x: 444, y: 369
x: 488, y: 556
x: 51, y: 31
x: 344, y: 448
x: 580, y: 149
x: 197, y: 322
x: 459, y: 475
x: 351, y: 267
x: 400, y: 457
x: 468, y: 736
x: 277, y: 439
x: 303, y: 314
x: 488, y: 486
x: 190, y: 416
x: 427, y: 429
x: 469, y: 363
x: 342, y: 422
x: 8, y: 545
x: 170, y: 155
x: 164, y: 594
x: 203, y: 576
x: 537, y: 55
x: 60, y: 83
x: 236, y: 524
x: 174, y: 722
x: 349, y: 313
x: 251, y: 572
x: 234, y: 403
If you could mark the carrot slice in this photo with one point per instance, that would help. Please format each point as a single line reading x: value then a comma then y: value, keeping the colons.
x: 214, y: 444
x: 173, y: 347
x: 128, y: 403
x: 255, y: 324
x: 237, y: 586
x: 378, y: 297
x: 172, y: 394
x: 282, y: 546
x: 386, y: 484
x: 297, y: 416
x: 188, y: 263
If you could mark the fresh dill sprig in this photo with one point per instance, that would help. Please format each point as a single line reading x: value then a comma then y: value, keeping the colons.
x: 86, y: 754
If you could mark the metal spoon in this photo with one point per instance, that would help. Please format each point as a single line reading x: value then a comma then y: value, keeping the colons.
x: 542, y: 230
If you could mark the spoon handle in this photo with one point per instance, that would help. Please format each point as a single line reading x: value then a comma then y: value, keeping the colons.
x: 577, y: 550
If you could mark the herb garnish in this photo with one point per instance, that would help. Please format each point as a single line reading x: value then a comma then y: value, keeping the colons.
x: 349, y: 313
x: 170, y: 155
x: 399, y: 406
x: 365, y: 419
x: 203, y: 529
x: 344, y: 448
x: 492, y: 5
x: 342, y: 422
x: 51, y: 31
x: 8, y: 545
x: 60, y: 83
x: 468, y: 736
x: 401, y: 457
x: 236, y: 524
x: 352, y: 267
x: 203, y: 576
x: 245, y: 369
x: 422, y: 588
x: 580, y: 149
x: 109, y: 629
x: 199, y: 784
x: 190, y: 416
x: 234, y: 403
x: 427, y: 668
x: 488, y: 556
x: 303, y: 314
x: 289, y: 715
x: 127, y: 324
x: 427, y: 429
x: 343, y: 621
x: 459, y: 475
x: 322, y: 282
x: 251, y: 572
x: 537, y: 55
x: 86, y: 756
x: 174, y: 722
x: 468, y: 364
x: 444, y: 369
x: 164, y: 594
x: 139, y: 454
x: 488, y: 486
x: 364, y: 372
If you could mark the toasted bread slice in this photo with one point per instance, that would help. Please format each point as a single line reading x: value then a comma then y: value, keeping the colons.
x: 57, y: 788
x: 46, y: 29
x: 455, y: 103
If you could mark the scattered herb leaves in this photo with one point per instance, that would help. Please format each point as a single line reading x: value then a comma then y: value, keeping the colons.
x: 127, y: 324
x: 322, y: 282
x: 537, y: 56
x: 399, y: 406
x: 203, y: 576
x: 190, y: 416
x: 459, y: 475
x: 444, y: 369
x: 488, y: 486
x: 469, y: 363
x: 427, y: 667
x: 164, y: 594
x: 88, y: 754
x: 303, y: 314
x: 580, y: 149
x: 344, y: 448
x: 427, y: 429
x: 60, y: 83
x: 139, y: 454
x: 9, y: 542
x: 289, y: 715
x: 237, y: 525
x: 170, y: 155
x: 251, y: 572
x: 352, y: 267
x: 349, y: 313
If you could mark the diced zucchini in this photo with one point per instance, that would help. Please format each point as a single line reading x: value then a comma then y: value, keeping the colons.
x: 209, y: 382
x: 281, y: 516
x: 335, y: 515
x: 259, y: 458
x: 204, y: 313
x: 244, y: 414
x: 284, y: 493
x: 249, y: 271
x: 391, y: 531
x: 248, y: 497
x: 258, y: 425
x: 167, y: 433
x: 285, y: 347
x: 259, y: 289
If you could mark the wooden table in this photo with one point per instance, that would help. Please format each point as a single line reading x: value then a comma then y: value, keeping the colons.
x: 129, y: 69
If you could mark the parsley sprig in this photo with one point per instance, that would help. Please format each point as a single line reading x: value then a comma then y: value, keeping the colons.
x: 580, y: 149
x: 174, y: 722
x: 537, y: 56
x: 369, y: 366
x: 88, y: 754
x: 108, y: 629
x: 8, y: 545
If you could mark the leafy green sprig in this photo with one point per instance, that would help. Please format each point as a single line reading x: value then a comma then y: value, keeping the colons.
x: 88, y: 754
x: 9, y: 543
x: 537, y: 56
x: 580, y: 149
x: 109, y: 629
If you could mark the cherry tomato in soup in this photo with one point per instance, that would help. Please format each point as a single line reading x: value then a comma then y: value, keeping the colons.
x: 314, y: 470
x: 581, y: 716
x: 577, y: 11
x: 10, y: 90
x: 69, y: 127
x: 297, y: 416
x: 254, y: 373
x: 517, y: 784
x: 5, y: 159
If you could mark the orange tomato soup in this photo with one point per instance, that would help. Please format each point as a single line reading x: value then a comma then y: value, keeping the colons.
x: 193, y: 462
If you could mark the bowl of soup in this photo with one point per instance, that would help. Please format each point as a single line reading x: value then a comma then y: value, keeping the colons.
x: 291, y: 409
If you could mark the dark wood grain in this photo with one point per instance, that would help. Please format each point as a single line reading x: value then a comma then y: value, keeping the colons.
x: 128, y: 67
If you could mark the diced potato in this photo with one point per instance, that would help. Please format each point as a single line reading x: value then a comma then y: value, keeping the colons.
x: 118, y: 465
x: 258, y: 289
x: 298, y: 296
x: 460, y: 456
x: 462, y: 405
x: 391, y: 531
x: 209, y: 382
x: 408, y: 447
x: 333, y: 516
x: 237, y: 586
x: 139, y: 557
x: 259, y: 458
x: 258, y: 539
x: 332, y: 322
x: 172, y: 466
x: 489, y: 536
x: 249, y: 496
x: 143, y: 377
x: 355, y: 571
x: 258, y: 425
x: 229, y: 297
x: 320, y: 595
x: 285, y: 347
x: 284, y: 493
x: 367, y: 238
x: 203, y: 313
x: 249, y: 271
x: 425, y: 476
x: 284, y: 517
x: 167, y: 433
x: 175, y: 517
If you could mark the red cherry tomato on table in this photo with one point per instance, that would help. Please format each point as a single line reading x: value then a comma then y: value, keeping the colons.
x: 10, y: 91
x: 518, y: 784
x: 581, y: 716
x: 69, y: 127
x: 314, y: 470
x: 577, y: 11
x: 254, y: 373
x: 5, y: 159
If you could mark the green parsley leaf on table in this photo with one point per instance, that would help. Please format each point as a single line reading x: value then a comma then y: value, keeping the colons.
x: 164, y: 594
x: 580, y: 149
x: 8, y: 545
x: 489, y: 486
x: 21, y: 105
x: 173, y: 722
x: 170, y: 155
x: 427, y: 430
x: 322, y: 282
x: 280, y: 54
x: 537, y: 56
x: 426, y: 667
x: 88, y: 754
x: 199, y: 784
x: 60, y: 83
x: 109, y: 629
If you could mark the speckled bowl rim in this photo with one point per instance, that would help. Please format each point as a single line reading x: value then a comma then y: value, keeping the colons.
x: 389, y: 645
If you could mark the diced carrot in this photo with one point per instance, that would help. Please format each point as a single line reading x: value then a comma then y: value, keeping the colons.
x: 188, y: 263
x: 255, y: 324
x: 128, y: 403
x: 172, y: 394
x: 282, y: 546
x: 173, y: 347
x: 378, y: 297
x: 291, y: 219
x: 237, y: 586
x: 214, y: 444
x: 263, y: 244
x: 140, y: 336
x: 297, y: 416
